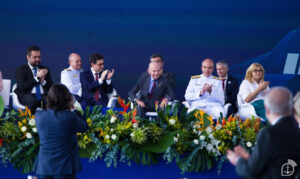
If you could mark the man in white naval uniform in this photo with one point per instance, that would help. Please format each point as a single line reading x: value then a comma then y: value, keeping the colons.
x: 205, y: 91
x: 70, y: 76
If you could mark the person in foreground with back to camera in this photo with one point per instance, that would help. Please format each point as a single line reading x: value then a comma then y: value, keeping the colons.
x: 1, y: 82
x: 253, y: 88
x: 57, y: 126
x: 276, y: 144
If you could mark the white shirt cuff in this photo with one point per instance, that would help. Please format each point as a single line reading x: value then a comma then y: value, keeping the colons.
x: 100, y: 81
x: 108, y: 81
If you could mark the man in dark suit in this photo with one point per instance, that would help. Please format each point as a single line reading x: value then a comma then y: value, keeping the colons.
x: 153, y: 87
x: 159, y: 59
x: 33, y: 80
x: 277, y: 144
x: 96, y: 82
x: 230, y: 86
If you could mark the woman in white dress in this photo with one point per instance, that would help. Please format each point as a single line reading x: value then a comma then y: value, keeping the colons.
x: 253, y: 88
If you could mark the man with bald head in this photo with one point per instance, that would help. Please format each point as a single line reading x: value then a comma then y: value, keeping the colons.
x: 71, y: 76
x: 205, y: 91
x: 155, y: 87
x: 276, y: 145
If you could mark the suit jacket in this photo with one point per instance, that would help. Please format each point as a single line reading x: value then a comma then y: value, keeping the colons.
x: 58, y: 154
x: 161, y: 90
x: 89, y: 87
x: 275, y: 145
x: 170, y: 76
x: 26, y: 81
x: 232, y: 89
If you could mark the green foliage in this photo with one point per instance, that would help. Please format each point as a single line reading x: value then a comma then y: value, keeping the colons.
x: 1, y: 106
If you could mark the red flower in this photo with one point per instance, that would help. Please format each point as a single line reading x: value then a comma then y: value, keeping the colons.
x: 1, y: 140
x: 122, y: 104
x: 223, y: 122
x: 134, y: 113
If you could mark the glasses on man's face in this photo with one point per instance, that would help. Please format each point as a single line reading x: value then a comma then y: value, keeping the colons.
x: 257, y: 71
x: 99, y: 64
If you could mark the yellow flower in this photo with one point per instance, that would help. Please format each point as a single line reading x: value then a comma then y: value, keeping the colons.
x: 79, y: 133
x: 24, y: 121
x: 90, y: 140
x: 88, y: 120
x: 20, y: 124
x: 85, y: 137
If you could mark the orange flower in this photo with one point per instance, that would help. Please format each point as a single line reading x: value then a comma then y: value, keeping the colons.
x: 223, y: 122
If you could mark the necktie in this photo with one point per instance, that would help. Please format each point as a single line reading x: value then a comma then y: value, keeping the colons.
x: 223, y: 84
x: 37, y: 87
x: 152, y: 89
x: 97, y: 91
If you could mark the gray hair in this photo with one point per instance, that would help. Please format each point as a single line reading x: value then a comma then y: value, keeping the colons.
x: 297, y: 103
x: 279, y: 100
x: 222, y: 62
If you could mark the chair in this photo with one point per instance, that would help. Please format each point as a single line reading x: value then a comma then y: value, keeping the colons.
x: 112, y: 99
x: 226, y: 106
x: 15, y: 100
x: 245, y: 110
x: 5, y: 92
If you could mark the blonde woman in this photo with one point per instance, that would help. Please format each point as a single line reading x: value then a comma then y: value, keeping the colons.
x: 297, y: 108
x: 1, y: 82
x: 253, y: 88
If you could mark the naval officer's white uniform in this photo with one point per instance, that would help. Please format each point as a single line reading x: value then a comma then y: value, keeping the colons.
x: 212, y: 103
x: 71, y: 78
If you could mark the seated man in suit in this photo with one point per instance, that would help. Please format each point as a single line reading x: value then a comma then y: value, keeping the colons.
x: 230, y: 86
x: 276, y: 145
x: 33, y: 81
x: 159, y: 59
x: 154, y: 87
x: 205, y: 91
x: 70, y: 77
x: 96, y: 82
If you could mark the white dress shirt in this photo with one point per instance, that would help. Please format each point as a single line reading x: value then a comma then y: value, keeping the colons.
x: 37, y: 80
x: 246, y: 88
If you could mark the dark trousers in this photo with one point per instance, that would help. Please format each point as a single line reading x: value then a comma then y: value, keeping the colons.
x: 32, y: 103
x: 68, y: 176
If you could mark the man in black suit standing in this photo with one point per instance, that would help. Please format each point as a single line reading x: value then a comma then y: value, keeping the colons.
x: 159, y: 59
x: 153, y: 87
x: 277, y: 144
x: 96, y: 82
x: 33, y: 80
x: 230, y: 86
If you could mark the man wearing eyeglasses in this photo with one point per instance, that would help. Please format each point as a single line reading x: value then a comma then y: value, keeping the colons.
x: 96, y: 82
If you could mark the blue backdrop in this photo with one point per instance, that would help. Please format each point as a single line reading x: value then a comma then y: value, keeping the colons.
x: 127, y: 32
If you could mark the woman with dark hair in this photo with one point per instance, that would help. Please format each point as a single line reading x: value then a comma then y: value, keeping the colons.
x: 57, y: 127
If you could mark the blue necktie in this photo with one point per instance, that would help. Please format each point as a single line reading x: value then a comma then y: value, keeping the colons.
x: 37, y: 87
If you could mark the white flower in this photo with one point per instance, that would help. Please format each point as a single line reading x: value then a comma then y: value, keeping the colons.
x: 113, y: 119
x: 135, y: 125
x: 107, y: 137
x: 196, y: 141
x: 32, y: 122
x: 202, y: 137
x: 249, y: 144
x: 211, y: 136
x: 34, y: 129
x: 111, y: 129
x: 172, y: 121
x: 24, y: 128
x: 132, y: 134
x: 28, y: 135
x: 208, y: 129
x: 218, y: 127
x: 209, y: 147
x: 195, y: 131
x: 113, y: 137
x: 175, y: 139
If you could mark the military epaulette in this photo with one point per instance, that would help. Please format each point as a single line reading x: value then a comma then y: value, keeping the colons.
x: 67, y: 69
x: 214, y: 77
x: 196, y: 76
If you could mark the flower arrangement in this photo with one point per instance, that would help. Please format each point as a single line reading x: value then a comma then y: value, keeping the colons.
x: 19, y: 140
x: 193, y: 140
